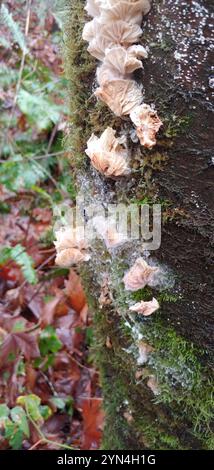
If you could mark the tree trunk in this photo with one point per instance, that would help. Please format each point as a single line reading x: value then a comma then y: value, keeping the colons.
x: 176, y: 173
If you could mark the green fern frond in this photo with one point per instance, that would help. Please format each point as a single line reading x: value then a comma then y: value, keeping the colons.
x: 7, y: 19
x: 8, y: 76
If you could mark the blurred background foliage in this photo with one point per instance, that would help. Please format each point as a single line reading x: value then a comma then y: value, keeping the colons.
x: 46, y: 377
x: 33, y: 100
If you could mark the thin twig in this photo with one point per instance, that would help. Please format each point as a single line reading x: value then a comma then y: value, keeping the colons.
x: 45, y: 262
x: 49, y: 383
x: 46, y: 155
x: 44, y: 438
x: 63, y: 194
x: 52, y: 137
x: 79, y: 363
x: 36, y: 444
x: 37, y: 269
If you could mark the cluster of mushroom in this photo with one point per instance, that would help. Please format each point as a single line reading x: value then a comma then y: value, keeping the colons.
x: 71, y: 248
x: 140, y: 275
x: 112, y: 35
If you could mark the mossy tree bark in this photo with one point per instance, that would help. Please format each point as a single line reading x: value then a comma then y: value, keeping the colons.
x: 178, y: 173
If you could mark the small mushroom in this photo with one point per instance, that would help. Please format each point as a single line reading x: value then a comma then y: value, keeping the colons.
x: 70, y: 247
x: 107, y: 154
x: 140, y: 275
x: 120, y: 32
x: 147, y: 123
x: 121, y: 62
x: 145, y: 308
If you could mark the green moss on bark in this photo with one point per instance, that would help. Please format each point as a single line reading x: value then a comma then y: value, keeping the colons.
x: 180, y: 416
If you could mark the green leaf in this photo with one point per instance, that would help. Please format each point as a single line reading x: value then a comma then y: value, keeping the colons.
x: 21, y: 368
x: 58, y: 403
x: 4, y: 413
x: 14, y: 435
x: 19, y: 417
x: 49, y: 341
x: 32, y: 405
x: 19, y: 255
x: 8, y: 76
x: 45, y: 411
x: 89, y: 336
x: 19, y: 172
x: 6, y: 18
x: 69, y: 402
x: 41, y: 192
x: 54, y: 273
x: 4, y: 208
x: 4, y: 43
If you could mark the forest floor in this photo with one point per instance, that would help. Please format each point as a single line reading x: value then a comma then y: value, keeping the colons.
x: 49, y: 389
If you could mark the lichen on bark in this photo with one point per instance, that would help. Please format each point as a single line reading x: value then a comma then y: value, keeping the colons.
x: 176, y: 173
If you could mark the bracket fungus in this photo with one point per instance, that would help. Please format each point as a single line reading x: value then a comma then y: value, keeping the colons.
x: 70, y: 247
x: 112, y: 35
x: 139, y: 275
x: 108, y: 154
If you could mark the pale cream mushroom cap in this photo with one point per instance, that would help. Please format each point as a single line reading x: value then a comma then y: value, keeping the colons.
x: 93, y: 7
x: 70, y: 247
x: 70, y: 256
x: 121, y: 60
x: 121, y: 95
x: 145, y: 308
x: 91, y: 30
x: 120, y: 32
x: 129, y: 11
x: 107, y: 154
x: 139, y: 275
x: 147, y: 124
x: 97, y: 47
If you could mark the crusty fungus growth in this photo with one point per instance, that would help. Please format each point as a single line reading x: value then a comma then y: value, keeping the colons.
x: 145, y: 308
x: 140, y: 275
x: 70, y: 247
x: 112, y: 36
x: 108, y: 154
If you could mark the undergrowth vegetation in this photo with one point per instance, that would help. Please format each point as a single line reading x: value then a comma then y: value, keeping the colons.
x: 46, y: 380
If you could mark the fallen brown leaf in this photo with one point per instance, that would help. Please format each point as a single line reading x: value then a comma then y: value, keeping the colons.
x: 23, y: 342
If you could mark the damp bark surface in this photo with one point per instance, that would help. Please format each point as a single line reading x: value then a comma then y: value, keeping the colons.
x: 178, y: 173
